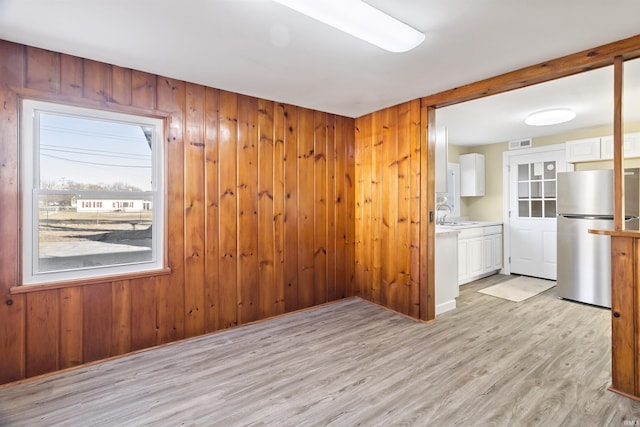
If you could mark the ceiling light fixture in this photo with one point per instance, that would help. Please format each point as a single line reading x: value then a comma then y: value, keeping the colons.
x: 361, y: 20
x: 550, y: 117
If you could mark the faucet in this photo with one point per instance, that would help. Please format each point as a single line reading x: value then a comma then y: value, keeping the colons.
x: 443, y: 217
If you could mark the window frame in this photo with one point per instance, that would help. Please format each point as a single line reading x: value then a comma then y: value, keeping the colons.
x: 30, y: 191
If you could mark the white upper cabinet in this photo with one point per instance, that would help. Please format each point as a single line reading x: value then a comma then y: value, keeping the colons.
x: 594, y: 149
x: 583, y: 150
x: 471, y: 175
x: 631, y: 146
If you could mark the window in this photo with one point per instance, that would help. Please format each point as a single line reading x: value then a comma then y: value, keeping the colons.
x: 537, y: 190
x: 92, y: 188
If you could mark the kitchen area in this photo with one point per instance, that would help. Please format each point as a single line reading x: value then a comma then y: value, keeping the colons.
x: 503, y: 204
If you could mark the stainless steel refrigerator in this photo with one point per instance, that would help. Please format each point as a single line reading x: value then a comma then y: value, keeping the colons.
x: 585, y: 201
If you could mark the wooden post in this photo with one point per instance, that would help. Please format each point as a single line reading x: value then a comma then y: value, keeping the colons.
x: 618, y: 149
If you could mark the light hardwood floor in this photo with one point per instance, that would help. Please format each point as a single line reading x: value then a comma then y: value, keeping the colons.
x: 491, y: 362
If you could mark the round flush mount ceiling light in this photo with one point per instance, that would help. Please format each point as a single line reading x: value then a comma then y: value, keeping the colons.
x: 550, y: 117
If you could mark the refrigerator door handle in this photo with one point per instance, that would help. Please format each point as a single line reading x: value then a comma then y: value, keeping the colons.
x: 590, y: 217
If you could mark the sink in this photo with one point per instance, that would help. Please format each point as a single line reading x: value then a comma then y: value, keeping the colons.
x: 449, y: 223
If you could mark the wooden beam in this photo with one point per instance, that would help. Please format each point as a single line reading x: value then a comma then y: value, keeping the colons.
x: 618, y: 148
x: 427, y: 240
x: 549, y: 70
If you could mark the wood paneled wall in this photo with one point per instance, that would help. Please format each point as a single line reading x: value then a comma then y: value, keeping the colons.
x: 260, y: 213
x: 389, y: 222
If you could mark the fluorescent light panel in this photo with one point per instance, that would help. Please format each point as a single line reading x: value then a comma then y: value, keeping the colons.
x: 550, y: 117
x: 361, y: 20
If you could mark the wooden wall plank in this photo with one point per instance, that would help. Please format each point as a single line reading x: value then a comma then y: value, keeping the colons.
x: 43, y: 70
x: 278, y: 205
x: 305, y: 208
x: 403, y: 238
x: 170, y: 97
x: 97, y: 83
x: 42, y: 332
x: 169, y: 316
x: 97, y: 322
x: 194, y: 251
x: 143, y: 314
x: 12, y: 307
x: 143, y: 89
x: 349, y: 198
x: 13, y: 64
x: 389, y: 209
x: 227, y: 164
x: 414, y: 207
x: 121, y: 85
x: 291, y: 147
x: 121, y: 317
x: 366, y: 254
x: 332, y: 207
x: 71, y: 327
x: 247, y: 173
x: 320, y: 208
x: 71, y: 75
x: 266, y: 219
x: 12, y: 338
x: 376, y: 206
x: 12, y: 71
x: 212, y: 213
x: 341, y: 208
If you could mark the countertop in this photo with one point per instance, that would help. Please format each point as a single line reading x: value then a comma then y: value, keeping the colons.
x: 444, y: 231
x: 464, y: 224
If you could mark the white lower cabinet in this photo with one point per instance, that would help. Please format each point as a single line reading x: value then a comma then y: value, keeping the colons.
x: 479, y: 252
x: 496, y: 251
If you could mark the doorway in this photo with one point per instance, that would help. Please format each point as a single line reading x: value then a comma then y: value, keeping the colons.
x: 530, y: 210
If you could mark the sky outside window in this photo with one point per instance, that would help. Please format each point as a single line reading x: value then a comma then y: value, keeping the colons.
x: 93, y: 152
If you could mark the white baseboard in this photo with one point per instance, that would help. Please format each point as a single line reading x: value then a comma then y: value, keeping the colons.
x: 445, y: 306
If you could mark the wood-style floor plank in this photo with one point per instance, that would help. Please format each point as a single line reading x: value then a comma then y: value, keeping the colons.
x: 541, y: 362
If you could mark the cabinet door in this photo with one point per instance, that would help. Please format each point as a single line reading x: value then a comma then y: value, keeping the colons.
x: 463, y: 260
x: 487, y: 254
x: 631, y: 146
x: 475, y: 255
x: 496, y: 251
x: 583, y: 150
x: 606, y: 148
x: 472, y: 180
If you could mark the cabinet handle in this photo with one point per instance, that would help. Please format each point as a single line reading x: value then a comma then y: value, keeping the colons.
x: 430, y: 216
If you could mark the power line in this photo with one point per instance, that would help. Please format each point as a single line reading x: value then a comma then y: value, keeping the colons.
x: 72, y: 131
x: 93, y: 154
x: 96, y: 163
x: 81, y: 149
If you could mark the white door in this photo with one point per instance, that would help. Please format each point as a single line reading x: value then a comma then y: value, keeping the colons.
x: 532, y: 212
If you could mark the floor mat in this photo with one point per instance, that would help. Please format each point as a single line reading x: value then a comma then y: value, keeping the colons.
x: 519, y: 289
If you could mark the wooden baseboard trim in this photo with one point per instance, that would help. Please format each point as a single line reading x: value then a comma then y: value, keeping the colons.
x: 630, y: 396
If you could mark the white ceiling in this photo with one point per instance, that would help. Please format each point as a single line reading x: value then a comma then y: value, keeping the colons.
x: 263, y: 49
x: 500, y: 118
